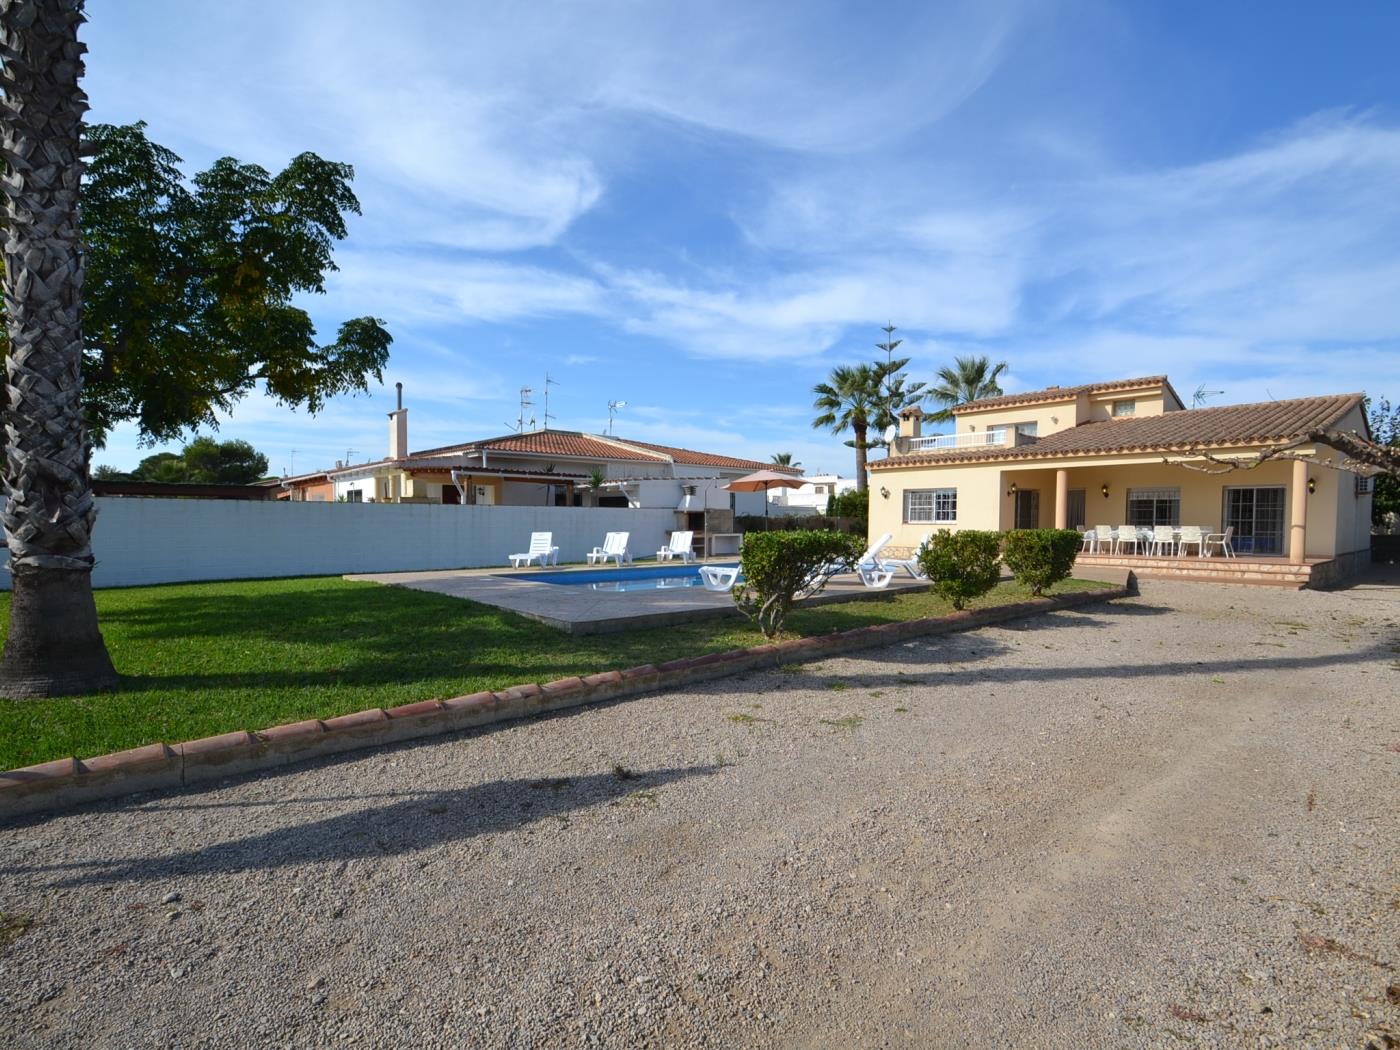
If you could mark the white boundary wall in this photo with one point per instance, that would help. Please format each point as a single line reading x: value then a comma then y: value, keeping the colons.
x: 140, y: 541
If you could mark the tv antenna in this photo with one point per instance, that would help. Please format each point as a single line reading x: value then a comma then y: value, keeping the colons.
x: 525, y: 403
x: 1199, y: 397
x: 613, y: 407
x: 293, y: 470
x: 548, y: 382
x: 349, y: 452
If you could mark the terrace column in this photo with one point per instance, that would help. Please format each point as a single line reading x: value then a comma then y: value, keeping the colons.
x: 1061, y: 499
x: 1298, y: 513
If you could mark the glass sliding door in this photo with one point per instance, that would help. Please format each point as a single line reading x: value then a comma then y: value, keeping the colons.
x: 1257, y: 515
x: 1077, y: 515
x: 1028, y: 509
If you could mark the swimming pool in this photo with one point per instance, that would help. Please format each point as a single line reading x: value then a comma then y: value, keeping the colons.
x: 650, y: 578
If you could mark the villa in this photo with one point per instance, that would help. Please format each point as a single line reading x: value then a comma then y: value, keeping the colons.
x: 534, y: 468
x: 1121, y: 453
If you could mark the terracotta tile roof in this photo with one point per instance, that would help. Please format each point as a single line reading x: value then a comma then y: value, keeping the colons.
x: 1225, y: 426
x: 709, y: 459
x: 553, y: 443
x: 1060, y: 393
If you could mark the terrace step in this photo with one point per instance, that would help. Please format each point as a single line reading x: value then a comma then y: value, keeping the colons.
x: 1208, y: 570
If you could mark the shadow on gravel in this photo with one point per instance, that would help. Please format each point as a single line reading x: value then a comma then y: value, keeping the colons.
x: 416, y: 822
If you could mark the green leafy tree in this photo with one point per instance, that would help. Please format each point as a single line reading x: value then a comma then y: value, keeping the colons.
x: 109, y: 473
x: 165, y: 467
x: 191, y: 283
x: 1041, y: 558
x: 54, y: 647
x: 851, y: 504
x: 1385, y: 429
x: 968, y: 379
x: 962, y: 565
x: 851, y: 400
x: 780, y: 567
x: 899, y: 391
x: 213, y: 462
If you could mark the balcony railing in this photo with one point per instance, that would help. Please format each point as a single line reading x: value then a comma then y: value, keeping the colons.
x: 956, y: 442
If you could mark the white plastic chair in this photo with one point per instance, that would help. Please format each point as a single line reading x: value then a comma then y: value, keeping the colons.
x: 542, y: 549
x: 909, y: 564
x: 1191, y: 535
x: 1086, y: 539
x: 1103, y: 539
x: 1221, y: 540
x: 719, y: 578
x: 1127, y: 535
x: 1163, y: 540
x: 614, y: 548
x: 680, y: 546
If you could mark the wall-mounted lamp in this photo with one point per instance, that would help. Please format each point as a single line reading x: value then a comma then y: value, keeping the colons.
x: 1312, y: 485
x: 1104, y: 490
x: 1012, y: 490
x: 884, y: 492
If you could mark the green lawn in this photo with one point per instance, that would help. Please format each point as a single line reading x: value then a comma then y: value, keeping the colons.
x: 200, y: 659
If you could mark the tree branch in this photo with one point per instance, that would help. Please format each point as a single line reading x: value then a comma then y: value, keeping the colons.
x: 1362, y: 455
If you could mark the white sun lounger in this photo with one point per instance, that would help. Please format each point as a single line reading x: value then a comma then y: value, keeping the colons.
x: 680, y: 546
x: 614, y: 548
x: 719, y: 577
x: 542, y: 549
x: 909, y: 564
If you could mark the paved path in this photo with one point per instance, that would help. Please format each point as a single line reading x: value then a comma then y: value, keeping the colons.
x: 1170, y: 821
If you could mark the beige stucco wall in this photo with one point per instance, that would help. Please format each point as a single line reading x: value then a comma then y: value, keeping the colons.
x: 1337, y: 520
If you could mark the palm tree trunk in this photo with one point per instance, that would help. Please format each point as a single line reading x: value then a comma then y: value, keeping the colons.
x: 54, y: 647
x: 860, y: 431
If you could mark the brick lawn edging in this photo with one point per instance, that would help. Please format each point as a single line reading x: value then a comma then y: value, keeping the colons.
x: 68, y: 781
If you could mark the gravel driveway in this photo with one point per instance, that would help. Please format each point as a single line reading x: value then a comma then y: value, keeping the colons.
x: 1170, y: 821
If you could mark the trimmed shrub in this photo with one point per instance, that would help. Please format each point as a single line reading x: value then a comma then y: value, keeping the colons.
x: 747, y: 523
x: 780, y: 566
x: 1041, y: 558
x: 962, y: 565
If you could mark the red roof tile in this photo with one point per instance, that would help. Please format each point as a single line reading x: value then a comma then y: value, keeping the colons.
x: 1225, y: 426
x: 709, y: 459
x: 1060, y: 393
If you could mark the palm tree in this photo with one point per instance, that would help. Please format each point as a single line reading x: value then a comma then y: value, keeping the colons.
x: 54, y: 647
x: 969, y: 379
x: 784, y: 459
x: 851, y: 399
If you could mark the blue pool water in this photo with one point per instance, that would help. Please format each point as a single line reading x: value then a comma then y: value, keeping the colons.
x: 650, y: 578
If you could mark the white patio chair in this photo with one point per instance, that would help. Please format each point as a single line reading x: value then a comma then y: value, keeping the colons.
x: 909, y: 564
x: 1191, y: 535
x: 1086, y: 539
x: 614, y: 548
x: 599, y: 554
x: 542, y: 549
x: 719, y: 578
x: 1163, y: 540
x: 1221, y: 540
x: 1127, y: 535
x: 1103, y: 539
x: 680, y: 546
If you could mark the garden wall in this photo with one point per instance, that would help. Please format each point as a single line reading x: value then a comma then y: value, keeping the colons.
x: 140, y: 541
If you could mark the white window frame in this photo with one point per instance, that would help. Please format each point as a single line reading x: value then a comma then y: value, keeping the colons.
x: 1128, y: 403
x: 941, y: 509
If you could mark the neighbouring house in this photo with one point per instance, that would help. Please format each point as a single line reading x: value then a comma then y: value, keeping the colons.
x: 812, y: 497
x: 1121, y: 453
x: 547, y: 467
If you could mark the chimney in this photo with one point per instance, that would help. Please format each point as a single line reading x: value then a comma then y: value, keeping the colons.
x: 911, y: 422
x: 398, y: 428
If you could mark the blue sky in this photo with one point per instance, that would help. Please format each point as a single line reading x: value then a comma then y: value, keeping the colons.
x: 701, y: 208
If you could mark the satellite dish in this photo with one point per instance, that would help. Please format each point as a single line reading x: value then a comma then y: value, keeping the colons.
x: 891, y: 432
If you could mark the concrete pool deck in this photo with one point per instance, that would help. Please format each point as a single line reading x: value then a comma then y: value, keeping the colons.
x: 581, y: 610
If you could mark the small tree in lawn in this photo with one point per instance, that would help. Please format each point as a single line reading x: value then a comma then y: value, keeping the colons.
x: 1041, y: 558
x: 962, y: 565
x: 780, y: 567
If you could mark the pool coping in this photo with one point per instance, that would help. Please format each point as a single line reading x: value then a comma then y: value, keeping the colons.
x: 578, y: 611
x: 71, y: 781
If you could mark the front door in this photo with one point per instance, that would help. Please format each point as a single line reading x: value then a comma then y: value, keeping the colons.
x: 1257, y: 515
x: 1027, y: 509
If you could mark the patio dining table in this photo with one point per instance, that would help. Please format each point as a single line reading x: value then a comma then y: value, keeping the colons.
x: 1145, y: 532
